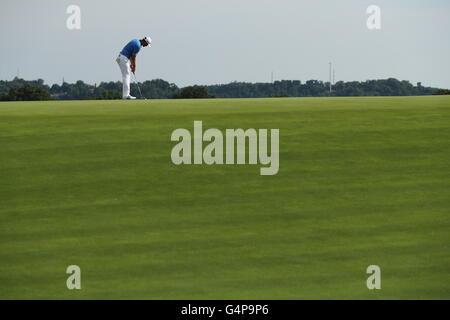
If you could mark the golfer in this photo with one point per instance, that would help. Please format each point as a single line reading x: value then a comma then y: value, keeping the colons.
x: 127, y: 62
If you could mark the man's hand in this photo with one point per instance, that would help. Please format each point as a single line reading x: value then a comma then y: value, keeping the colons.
x: 133, y: 63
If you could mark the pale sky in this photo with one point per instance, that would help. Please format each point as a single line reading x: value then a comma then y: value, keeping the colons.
x: 219, y: 41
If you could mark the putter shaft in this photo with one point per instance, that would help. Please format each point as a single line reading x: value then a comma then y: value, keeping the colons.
x: 135, y: 80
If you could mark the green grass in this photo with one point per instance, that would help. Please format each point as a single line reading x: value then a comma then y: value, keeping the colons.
x: 362, y: 181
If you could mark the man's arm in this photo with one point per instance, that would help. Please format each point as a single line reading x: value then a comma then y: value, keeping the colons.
x: 133, y: 63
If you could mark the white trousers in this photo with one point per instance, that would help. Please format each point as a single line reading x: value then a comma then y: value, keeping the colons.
x: 124, y: 65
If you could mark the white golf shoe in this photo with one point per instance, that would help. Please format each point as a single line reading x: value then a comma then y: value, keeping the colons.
x: 129, y: 98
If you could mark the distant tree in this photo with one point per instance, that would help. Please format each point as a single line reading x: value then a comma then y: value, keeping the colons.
x: 5, y: 86
x: 27, y: 92
x: 157, y: 89
x: 280, y: 96
x: 193, y: 92
x: 110, y: 95
x: 441, y: 92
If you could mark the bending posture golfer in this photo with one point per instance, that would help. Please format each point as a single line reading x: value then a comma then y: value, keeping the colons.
x: 127, y: 62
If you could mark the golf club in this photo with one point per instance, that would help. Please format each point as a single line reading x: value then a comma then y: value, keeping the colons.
x: 140, y: 92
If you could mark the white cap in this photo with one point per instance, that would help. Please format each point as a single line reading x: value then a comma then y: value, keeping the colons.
x: 148, y: 40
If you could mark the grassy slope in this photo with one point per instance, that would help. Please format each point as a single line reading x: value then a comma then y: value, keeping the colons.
x: 362, y: 181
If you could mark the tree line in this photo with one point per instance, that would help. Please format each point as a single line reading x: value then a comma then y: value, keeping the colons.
x: 315, y: 88
x: 21, y: 90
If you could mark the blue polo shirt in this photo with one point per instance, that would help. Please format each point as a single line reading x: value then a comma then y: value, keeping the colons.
x: 131, y: 49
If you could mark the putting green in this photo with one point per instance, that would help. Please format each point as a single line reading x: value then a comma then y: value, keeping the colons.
x: 362, y: 181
